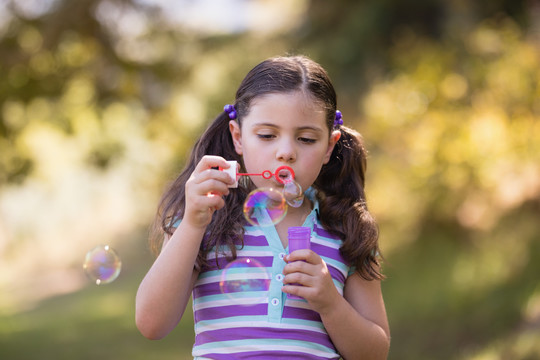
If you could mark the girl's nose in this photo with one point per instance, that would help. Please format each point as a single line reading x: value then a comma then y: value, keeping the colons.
x: 286, y: 151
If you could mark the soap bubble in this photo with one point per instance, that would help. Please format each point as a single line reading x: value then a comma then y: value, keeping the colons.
x: 245, y: 278
x: 292, y: 191
x: 102, y: 264
x: 265, y: 207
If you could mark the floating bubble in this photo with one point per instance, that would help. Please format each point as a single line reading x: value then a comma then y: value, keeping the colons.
x: 102, y: 264
x: 265, y: 207
x: 245, y: 279
x: 292, y: 192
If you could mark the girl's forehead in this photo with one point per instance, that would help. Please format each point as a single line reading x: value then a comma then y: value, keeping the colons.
x: 295, y: 102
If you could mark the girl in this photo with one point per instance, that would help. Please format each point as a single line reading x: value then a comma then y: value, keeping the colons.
x: 284, y: 114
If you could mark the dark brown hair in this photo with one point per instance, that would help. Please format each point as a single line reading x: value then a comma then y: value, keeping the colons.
x: 340, y: 185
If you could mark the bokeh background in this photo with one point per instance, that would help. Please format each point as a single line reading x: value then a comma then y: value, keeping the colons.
x: 101, y: 101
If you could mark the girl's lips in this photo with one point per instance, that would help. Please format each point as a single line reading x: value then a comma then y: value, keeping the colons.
x: 285, y: 175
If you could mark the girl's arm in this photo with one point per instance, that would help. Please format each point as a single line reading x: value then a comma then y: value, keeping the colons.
x: 356, y: 321
x: 165, y: 290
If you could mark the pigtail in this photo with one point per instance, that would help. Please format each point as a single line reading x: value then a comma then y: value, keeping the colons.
x: 343, y: 208
x: 216, y: 140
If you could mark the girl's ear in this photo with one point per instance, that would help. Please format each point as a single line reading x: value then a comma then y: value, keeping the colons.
x: 334, y: 138
x: 236, y: 134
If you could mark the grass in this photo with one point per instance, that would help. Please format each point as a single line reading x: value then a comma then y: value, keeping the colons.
x: 96, y: 322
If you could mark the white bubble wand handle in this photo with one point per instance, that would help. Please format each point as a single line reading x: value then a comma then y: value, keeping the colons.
x: 232, y: 172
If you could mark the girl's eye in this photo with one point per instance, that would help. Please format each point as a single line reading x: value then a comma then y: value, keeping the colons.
x: 307, y: 140
x: 265, y: 136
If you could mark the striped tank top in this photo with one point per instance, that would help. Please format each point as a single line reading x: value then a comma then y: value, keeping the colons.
x: 263, y: 323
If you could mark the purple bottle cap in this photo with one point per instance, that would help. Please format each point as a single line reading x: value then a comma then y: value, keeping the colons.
x: 299, y: 232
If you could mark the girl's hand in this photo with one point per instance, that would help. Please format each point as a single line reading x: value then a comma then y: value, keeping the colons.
x: 205, y: 189
x: 306, y: 268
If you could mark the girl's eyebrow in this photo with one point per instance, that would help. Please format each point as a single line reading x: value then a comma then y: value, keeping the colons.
x: 314, y: 128
x: 265, y: 124
x: 307, y: 127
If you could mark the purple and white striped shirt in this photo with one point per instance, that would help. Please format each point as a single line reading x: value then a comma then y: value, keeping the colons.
x: 262, y: 323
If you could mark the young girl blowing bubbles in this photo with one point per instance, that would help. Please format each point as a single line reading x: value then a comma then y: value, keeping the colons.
x: 284, y: 114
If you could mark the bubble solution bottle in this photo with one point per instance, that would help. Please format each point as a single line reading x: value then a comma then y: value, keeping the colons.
x: 299, y: 238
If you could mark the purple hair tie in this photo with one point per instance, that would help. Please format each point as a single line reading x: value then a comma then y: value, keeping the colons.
x: 338, y: 121
x: 229, y: 109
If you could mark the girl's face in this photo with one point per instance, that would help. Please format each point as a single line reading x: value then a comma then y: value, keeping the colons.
x: 284, y: 129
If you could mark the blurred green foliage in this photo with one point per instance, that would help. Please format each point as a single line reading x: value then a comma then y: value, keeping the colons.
x: 445, y: 93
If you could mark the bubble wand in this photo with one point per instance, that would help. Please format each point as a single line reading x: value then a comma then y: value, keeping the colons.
x: 283, y: 174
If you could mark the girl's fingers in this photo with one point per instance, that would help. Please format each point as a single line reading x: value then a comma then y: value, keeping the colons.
x: 212, y: 174
x: 298, y: 266
x: 301, y: 273
x: 211, y: 161
x: 311, y: 281
x: 208, y: 169
x: 208, y: 179
x: 306, y: 255
x: 205, y: 190
x: 212, y: 186
x: 306, y: 268
x: 207, y: 200
x: 298, y: 278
